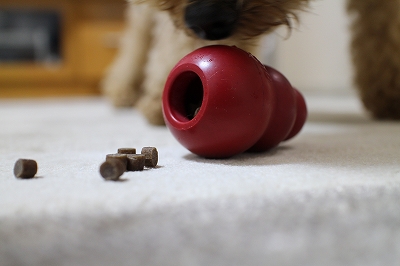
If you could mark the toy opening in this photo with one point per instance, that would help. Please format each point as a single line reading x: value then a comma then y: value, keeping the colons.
x: 186, y: 96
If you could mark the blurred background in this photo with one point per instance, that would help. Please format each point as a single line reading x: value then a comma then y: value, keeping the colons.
x: 63, y: 47
x: 57, y: 47
x: 316, y: 55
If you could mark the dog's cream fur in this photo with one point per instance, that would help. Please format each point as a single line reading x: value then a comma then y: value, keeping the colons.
x: 156, y: 39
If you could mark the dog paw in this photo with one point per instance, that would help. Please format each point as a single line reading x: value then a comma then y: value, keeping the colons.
x: 119, y: 93
x: 151, y: 108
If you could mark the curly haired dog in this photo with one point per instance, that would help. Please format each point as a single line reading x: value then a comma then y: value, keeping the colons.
x: 376, y: 55
x: 161, y: 32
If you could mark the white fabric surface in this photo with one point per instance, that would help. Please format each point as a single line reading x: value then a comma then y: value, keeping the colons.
x: 330, y: 196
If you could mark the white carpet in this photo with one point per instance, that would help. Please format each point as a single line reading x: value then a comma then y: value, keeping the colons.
x: 331, y: 196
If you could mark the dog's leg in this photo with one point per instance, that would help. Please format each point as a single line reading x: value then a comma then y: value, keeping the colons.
x: 122, y: 83
x: 168, y: 47
x: 376, y: 55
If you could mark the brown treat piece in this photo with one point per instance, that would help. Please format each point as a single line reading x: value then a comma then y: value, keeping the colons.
x: 135, y: 162
x: 25, y: 168
x: 151, y: 155
x: 127, y: 150
x: 112, y: 169
x: 120, y: 157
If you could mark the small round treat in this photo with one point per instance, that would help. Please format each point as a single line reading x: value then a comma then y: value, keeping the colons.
x: 135, y: 162
x: 121, y: 157
x: 151, y: 156
x: 25, y: 168
x: 127, y: 150
x: 112, y: 169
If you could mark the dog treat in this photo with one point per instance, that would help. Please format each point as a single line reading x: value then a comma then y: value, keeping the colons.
x: 136, y: 162
x: 25, y: 168
x: 151, y: 156
x: 127, y: 150
x: 118, y: 156
x: 112, y: 169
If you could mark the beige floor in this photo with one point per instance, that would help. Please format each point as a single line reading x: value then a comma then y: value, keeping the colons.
x: 328, y: 197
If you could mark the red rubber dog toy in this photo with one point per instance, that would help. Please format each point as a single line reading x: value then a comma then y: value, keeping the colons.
x: 220, y: 101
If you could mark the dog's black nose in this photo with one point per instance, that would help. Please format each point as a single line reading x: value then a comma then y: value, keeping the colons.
x: 211, y: 20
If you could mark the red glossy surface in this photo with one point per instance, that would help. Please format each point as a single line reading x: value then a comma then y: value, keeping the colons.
x: 233, y: 93
x: 282, y: 116
x: 301, y: 115
x: 219, y: 101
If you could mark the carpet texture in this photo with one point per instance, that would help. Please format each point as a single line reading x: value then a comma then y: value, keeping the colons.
x: 330, y: 196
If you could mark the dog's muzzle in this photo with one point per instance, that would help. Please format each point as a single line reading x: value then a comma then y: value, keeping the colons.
x: 212, y: 20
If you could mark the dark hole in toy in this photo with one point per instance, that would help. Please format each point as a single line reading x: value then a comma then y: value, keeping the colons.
x: 186, y: 96
x: 193, y: 97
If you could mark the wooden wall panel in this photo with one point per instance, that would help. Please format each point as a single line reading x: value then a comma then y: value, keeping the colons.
x: 87, y: 27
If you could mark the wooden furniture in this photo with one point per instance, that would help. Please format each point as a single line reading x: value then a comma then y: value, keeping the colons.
x: 89, y: 35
